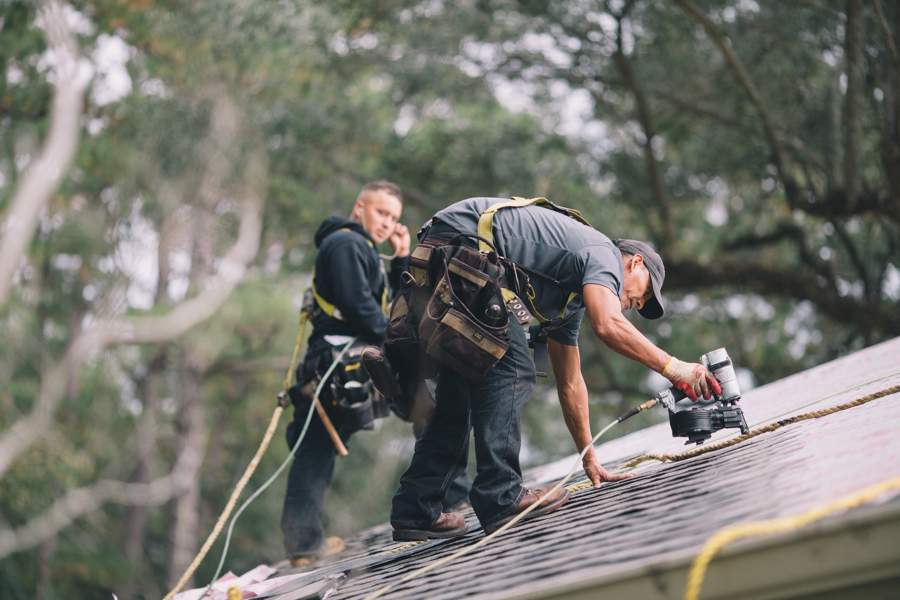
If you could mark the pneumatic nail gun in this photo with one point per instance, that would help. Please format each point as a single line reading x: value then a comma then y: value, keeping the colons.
x: 699, y: 420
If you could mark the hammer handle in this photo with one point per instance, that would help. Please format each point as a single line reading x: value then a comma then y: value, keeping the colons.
x: 329, y: 427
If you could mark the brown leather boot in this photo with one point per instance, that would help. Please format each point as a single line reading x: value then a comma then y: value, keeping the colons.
x: 551, y: 503
x: 331, y: 546
x: 447, y: 525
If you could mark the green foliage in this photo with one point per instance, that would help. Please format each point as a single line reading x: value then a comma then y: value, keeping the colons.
x: 449, y: 100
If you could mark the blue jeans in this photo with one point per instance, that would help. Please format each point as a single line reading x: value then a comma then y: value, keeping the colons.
x: 492, y: 410
x: 311, y: 474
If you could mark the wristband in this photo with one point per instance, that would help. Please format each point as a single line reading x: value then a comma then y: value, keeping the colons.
x: 666, y: 366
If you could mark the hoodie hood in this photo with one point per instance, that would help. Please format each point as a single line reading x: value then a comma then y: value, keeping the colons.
x: 332, y: 224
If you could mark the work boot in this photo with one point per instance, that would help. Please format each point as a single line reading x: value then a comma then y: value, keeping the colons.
x: 330, y: 547
x: 447, y: 525
x: 551, y: 503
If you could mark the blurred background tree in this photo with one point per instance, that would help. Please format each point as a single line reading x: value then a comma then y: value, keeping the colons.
x: 757, y: 143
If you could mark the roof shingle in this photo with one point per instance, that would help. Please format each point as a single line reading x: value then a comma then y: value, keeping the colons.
x: 664, y: 514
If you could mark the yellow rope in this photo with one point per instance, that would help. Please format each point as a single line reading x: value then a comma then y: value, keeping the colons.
x: 581, y: 486
x: 666, y: 457
x: 762, y: 429
x: 298, y: 341
x: 774, y: 526
x: 226, y: 512
x: 248, y: 472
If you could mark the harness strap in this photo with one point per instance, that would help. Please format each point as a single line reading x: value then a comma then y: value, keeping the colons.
x: 486, y: 231
x: 333, y: 311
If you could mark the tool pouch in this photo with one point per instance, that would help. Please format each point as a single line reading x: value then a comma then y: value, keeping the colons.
x: 465, y: 324
x: 348, y: 396
x: 352, y: 394
x: 403, y: 363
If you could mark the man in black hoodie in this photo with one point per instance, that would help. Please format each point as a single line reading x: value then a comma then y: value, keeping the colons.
x: 351, y: 290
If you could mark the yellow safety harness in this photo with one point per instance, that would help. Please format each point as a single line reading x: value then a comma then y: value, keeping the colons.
x: 486, y: 241
x: 333, y: 311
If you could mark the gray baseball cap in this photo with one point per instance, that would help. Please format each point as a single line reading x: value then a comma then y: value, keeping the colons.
x: 654, y: 308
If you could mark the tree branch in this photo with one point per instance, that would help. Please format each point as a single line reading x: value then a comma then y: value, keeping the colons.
x: 145, y: 329
x: 855, y: 258
x: 788, y: 231
x: 743, y: 77
x: 44, y: 174
x: 886, y: 31
x: 784, y: 283
x: 836, y: 204
x: 692, y: 105
x: 853, y: 100
x: 82, y: 501
x: 645, y: 118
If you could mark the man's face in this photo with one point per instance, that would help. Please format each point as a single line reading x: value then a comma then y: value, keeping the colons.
x: 636, y: 289
x: 378, y: 212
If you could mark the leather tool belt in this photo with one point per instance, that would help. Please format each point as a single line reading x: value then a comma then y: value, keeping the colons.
x: 450, y: 311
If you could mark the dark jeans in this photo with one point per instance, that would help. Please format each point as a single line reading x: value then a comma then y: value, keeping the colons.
x: 309, y: 478
x: 492, y: 409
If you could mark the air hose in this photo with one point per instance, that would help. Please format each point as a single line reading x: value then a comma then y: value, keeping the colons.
x: 485, y: 540
x: 718, y: 541
x: 284, y: 464
x: 254, y: 463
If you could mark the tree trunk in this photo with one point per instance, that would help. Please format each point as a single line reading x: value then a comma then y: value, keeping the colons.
x: 145, y: 442
x: 833, y: 149
x: 46, y: 171
x: 651, y: 162
x: 192, y: 420
x: 44, y: 572
x: 185, y: 526
x: 146, y: 435
x: 890, y: 141
x: 853, y: 102
x: 224, y: 129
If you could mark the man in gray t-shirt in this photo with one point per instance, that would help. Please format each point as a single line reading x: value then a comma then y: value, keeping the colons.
x: 573, y: 269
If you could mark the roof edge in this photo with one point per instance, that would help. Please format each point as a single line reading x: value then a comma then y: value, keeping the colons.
x: 856, y: 551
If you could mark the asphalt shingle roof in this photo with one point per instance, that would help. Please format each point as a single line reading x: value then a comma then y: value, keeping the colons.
x: 667, y: 511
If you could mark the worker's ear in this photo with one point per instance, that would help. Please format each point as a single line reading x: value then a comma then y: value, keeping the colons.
x: 357, y: 213
x: 634, y: 262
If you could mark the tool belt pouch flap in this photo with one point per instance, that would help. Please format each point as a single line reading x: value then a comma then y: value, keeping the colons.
x: 465, y: 324
x: 466, y: 346
x: 402, y: 349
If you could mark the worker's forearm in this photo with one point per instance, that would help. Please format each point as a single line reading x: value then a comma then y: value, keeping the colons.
x: 618, y: 333
x: 574, y: 402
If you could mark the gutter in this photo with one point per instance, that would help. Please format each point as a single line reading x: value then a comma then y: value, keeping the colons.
x: 849, y: 557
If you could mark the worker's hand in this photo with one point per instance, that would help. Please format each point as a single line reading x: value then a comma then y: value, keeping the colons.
x: 691, y: 378
x: 399, y: 240
x: 598, y: 474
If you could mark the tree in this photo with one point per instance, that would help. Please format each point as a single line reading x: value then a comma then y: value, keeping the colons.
x: 756, y: 143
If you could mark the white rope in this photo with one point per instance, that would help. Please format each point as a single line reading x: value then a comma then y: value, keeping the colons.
x: 467, y: 549
x: 281, y: 468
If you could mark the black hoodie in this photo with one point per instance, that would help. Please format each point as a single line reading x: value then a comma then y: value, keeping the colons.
x: 349, y: 275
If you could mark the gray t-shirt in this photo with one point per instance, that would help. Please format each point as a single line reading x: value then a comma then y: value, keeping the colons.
x: 560, y: 255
